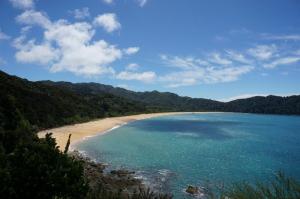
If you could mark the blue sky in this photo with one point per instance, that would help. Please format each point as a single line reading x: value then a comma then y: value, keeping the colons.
x: 210, y: 48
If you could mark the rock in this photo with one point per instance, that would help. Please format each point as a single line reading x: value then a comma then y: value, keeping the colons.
x: 121, y: 173
x: 192, y: 190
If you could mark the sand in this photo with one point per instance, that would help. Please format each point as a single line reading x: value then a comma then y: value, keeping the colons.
x: 96, y: 127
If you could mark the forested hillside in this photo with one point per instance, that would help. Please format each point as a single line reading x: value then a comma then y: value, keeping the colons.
x: 160, y: 100
x: 48, y: 104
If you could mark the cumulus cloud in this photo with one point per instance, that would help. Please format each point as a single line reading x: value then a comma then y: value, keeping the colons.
x: 81, y: 13
x: 108, y: 21
x: 31, y: 52
x: 263, y: 52
x: 23, y: 4
x: 66, y: 46
x: 32, y: 17
x: 131, y: 50
x: 147, y: 77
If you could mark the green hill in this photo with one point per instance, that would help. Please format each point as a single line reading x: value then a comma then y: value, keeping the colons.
x: 48, y: 104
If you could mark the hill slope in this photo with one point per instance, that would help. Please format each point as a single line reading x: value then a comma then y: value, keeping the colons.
x: 48, y: 104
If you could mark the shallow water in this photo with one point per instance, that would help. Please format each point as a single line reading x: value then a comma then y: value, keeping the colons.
x: 170, y: 152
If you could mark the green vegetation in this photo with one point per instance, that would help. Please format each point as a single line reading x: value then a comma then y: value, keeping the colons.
x: 34, y: 168
x: 47, y: 104
x: 281, y: 187
x: 50, y: 106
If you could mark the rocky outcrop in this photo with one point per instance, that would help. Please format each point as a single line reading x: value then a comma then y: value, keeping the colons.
x: 113, y: 181
x: 192, y: 190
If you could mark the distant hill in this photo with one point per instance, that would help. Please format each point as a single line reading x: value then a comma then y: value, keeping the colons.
x: 267, y: 105
x: 48, y: 104
x: 172, y: 102
x: 160, y: 100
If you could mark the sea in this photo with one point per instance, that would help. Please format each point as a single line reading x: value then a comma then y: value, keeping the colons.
x: 207, y: 150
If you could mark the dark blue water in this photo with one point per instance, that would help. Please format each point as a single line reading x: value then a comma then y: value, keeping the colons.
x: 210, y: 149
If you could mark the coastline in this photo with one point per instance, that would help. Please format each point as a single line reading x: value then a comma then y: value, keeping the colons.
x: 97, y: 127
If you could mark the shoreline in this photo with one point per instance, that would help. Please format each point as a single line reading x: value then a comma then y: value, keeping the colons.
x: 102, y: 126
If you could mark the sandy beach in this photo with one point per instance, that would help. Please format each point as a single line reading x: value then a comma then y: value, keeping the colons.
x: 96, y: 127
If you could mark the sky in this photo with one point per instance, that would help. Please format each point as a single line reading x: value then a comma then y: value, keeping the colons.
x: 212, y: 49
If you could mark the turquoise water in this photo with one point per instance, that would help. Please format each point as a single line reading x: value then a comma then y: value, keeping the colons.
x: 209, y: 149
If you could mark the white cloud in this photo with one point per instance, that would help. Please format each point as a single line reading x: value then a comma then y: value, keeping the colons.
x: 3, y: 36
x: 132, y: 67
x: 66, y: 46
x: 239, y: 57
x: 31, y: 17
x: 264, y: 74
x: 81, y: 13
x: 216, y: 58
x: 282, y: 61
x: 147, y: 77
x: 263, y: 52
x: 195, y: 71
x: 293, y: 37
x: 125, y: 86
x: 131, y: 50
x: 23, y: 4
x: 142, y: 3
x: 108, y: 1
x: 182, y: 62
x: 32, y: 53
x: 108, y: 21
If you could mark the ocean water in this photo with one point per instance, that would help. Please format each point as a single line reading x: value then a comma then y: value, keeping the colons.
x: 206, y: 150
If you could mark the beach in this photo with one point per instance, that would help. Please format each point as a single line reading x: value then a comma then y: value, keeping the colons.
x: 96, y: 127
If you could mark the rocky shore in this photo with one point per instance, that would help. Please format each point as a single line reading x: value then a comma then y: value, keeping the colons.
x: 114, y: 181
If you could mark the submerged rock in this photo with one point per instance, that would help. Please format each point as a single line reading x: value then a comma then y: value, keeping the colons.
x: 192, y: 190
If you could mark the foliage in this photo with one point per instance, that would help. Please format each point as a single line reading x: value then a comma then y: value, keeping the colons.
x: 281, y: 187
x: 142, y: 193
x: 40, y: 170
x: 46, y: 106
x: 32, y: 167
